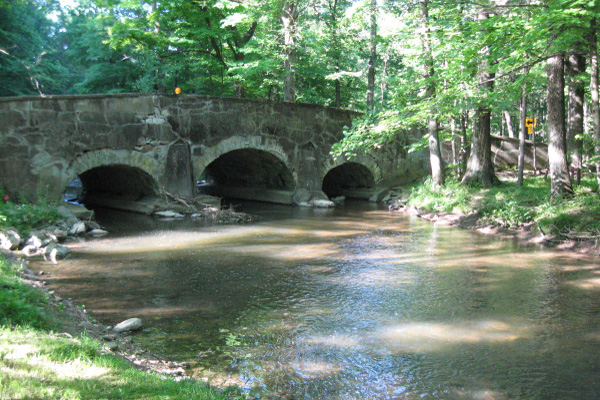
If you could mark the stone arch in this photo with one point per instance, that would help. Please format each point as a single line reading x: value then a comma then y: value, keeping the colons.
x: 342, y: 174
x: 203, y: 156
x: 128, y: 171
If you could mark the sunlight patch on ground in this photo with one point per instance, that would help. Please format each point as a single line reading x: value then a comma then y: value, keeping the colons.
x: 76, y: 369
x: 17, y: 351
x: 429, y: 336
x: 35, y: 366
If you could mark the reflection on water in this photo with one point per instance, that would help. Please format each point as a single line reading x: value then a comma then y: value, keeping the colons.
x: 352, y: 303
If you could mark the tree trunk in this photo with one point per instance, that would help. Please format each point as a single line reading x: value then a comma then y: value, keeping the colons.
x: 522, y: 133
x: 480, y: 167
x: 560, y: 180
x: 372, y: 57
x: 335, y: 40
x: 594, y: 92
x: 576, y: 67
x: 290, y: 9
x: 435, y: 154
x: 464, y: 141
x: 509, y: 124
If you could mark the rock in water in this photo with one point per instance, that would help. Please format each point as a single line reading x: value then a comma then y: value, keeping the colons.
x: 131, y: 324
x: 169, y: 214
x: 97, y: 232
x: 322, y: 203
x: 55, y: 251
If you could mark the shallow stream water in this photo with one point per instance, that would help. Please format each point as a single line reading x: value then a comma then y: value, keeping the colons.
x: 351, y: 303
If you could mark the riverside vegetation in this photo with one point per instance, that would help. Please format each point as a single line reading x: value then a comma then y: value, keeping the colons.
x: 569, y: 221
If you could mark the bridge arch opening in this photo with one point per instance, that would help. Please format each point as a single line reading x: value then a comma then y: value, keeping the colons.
x: 350, y: 179
x: 103, y: 185
x: 250, y: 174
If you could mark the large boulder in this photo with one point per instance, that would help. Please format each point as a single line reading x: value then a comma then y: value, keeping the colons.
x: 131, y: 324
x: 10, y: 239
x: 70, y: 211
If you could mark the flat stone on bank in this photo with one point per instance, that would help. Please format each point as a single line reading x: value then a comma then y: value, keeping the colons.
x: 131, y: 324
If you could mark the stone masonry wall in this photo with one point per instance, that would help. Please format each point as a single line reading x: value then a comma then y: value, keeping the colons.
x: 47, y: 142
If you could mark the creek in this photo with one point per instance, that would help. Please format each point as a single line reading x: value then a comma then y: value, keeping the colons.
x: 351, y: 303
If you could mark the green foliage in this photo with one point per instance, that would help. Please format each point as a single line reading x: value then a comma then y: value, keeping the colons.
x: 27, y: 50
x: 20, y: 305
x: 511, y: 206
x: 26, y: 216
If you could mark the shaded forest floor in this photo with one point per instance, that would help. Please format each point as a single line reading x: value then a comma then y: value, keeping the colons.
x: 507, y: 210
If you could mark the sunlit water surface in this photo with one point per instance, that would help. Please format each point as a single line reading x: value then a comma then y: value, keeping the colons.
x: 354, y: 303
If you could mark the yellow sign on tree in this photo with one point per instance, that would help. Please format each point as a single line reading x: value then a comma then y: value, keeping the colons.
x: 530, y: 123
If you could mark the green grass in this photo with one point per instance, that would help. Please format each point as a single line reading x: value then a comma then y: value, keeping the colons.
x: 20, y: 304
x: 509, y: 205
x: 35, y: 363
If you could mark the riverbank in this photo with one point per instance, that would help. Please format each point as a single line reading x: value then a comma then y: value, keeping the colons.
x: 50, y: 348
x: 507, y: 211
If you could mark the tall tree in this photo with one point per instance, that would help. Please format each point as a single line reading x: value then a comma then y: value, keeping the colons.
x: 372, y: 55
x: 289, y: 18
x: 576, y: 68
x: 480, y: 167
x: 522, y: 131
x: 593, y: 41
x: 27, y: 50
x: 435, y: 154
x: 560, y: 180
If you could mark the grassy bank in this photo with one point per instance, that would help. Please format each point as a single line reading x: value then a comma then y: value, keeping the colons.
x: 36, y: 363
x: 509, y: 205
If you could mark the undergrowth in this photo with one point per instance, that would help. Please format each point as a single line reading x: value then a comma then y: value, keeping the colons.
x: 25, y: 216
x: 509, y: 205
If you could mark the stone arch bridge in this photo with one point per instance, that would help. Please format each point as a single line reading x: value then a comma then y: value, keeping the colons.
x: 135, y: 145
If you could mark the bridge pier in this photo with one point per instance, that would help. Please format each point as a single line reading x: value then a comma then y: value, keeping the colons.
x: 178, y: 176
